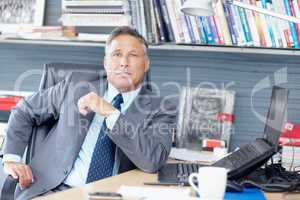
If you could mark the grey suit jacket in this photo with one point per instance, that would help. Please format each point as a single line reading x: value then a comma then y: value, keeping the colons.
x: 142, y: 135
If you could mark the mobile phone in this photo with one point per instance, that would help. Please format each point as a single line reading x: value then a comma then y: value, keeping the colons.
x: 105, y: 196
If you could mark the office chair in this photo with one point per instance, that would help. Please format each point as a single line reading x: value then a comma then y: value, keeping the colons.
x: 52, y: 74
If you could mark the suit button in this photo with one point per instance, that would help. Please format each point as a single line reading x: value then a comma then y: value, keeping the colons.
x: 65, y: 171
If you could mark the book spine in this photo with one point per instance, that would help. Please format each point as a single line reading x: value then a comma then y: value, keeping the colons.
x: 166, y: 17
x: 94, y: 11
x: 187, y: 30
x: 179, y: 20
x: 139, y: 21
x: 293, y: 6
x: 160, y: 22
x: 219, y: 30
x: 294, y: 41
x: 231, y: 25
x: 285, y: 27
x: 142, y: 15
x: 245, y: 27
x: 208, y: 33
x: 213, y: 29
x: 201, y: 30
x: 268, y: 21
x: 92, y: 3
x: 252, y: 26
x: 264, y: 26
x: 195, y: 29
x: 223, y: 25
x: 173, y: 20
x: 155, y: 31
x: 275, y: 26
x: 258, y: 23
x: 95, y: 20
x: 148, y: 22
x: 240, y: 32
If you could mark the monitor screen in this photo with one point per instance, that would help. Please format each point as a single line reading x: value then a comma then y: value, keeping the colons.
x: 276, y: 115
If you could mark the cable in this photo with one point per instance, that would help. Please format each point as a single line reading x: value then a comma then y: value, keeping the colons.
x: 293, y: 155
x: 278, y: 180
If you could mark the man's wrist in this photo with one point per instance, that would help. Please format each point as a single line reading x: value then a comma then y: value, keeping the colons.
x: 11, y: 158
x: 112, y: 119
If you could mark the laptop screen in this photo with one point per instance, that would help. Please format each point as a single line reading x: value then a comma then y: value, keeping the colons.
x: 276, y: 115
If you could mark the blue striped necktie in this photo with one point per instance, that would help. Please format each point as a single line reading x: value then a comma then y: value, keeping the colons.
x: 103, y: 157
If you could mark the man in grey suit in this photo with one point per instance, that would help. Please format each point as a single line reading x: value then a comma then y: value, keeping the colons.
x: 99, y: 132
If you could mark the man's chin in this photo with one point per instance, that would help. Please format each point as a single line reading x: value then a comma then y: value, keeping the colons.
x: 124, y: 87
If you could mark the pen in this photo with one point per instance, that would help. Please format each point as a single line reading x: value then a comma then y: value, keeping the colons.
x: 163, y: 184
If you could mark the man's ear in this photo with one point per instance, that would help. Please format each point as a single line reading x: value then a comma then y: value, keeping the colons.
x: 147, y: 64
x: 104, y: 62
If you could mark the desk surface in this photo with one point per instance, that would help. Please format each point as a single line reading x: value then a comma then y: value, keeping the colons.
x: 131, y: 178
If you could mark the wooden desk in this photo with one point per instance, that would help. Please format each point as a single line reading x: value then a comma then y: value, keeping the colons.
x: 131, y: 178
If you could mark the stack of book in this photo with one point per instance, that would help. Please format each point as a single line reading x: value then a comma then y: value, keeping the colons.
x: 205, y: 116
x: 290, y: 141
x: 94, y: 19
x: 162, y: 21
x: 291, y: 158
x: 232, y: 25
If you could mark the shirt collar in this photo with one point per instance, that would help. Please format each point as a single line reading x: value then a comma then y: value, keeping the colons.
x: 128, y: 97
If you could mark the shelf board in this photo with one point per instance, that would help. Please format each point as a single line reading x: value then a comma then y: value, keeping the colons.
x: 172, y: 46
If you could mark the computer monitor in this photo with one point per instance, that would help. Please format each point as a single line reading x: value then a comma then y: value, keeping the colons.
x: 276, y: 116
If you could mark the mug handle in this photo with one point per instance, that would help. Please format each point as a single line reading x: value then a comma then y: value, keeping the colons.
x: 191, y: 181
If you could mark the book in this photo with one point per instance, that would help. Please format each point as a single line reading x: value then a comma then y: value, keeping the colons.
x: 95, y: 20
x: 66, y: 3
x: 204, y: 114
x: 290, y: 157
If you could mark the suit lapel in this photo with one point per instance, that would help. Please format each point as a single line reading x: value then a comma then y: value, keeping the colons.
x: 141, y: 106
x: 138, y: 110
x: 85, y: 121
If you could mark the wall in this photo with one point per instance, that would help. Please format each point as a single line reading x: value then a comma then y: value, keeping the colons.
x: 241, y: 70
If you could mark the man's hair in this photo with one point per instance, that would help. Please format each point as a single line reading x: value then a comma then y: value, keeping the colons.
x: 126, y: 30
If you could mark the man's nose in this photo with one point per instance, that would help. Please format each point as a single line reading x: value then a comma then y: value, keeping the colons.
x: 124, y: 61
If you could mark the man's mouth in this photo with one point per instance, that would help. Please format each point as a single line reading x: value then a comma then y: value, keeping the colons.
x: 121, y: 72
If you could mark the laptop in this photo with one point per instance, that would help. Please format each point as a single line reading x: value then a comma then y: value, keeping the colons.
x: 245, y: 159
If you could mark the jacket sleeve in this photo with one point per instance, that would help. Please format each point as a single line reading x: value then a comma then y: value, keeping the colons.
x: 32, y: 111
x: 146, y: 142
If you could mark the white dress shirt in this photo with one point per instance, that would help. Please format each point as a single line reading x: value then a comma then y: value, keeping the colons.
x: 79, y: 172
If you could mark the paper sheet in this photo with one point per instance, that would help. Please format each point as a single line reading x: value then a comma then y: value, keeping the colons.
x: 154, y: 193
x: 190, y: 155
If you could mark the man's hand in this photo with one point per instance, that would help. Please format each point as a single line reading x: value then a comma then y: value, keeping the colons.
x: 19, y: 171
x: 92, y: 102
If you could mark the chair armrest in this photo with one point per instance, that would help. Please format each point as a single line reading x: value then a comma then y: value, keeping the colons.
x: 2, y: 138
x: 8, y: 189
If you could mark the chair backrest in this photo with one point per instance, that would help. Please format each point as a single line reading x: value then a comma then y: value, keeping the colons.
x: 52, y: 74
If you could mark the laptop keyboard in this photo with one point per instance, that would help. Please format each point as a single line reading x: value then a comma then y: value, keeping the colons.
x: 185, y: 169
x: 247, y: 154
x: 177, y: 172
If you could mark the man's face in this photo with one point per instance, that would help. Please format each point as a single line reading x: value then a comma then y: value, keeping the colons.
x: 126, y: 63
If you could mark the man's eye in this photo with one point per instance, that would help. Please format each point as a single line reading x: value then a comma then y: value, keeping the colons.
x: 117, y: 54
x: 133, y: 55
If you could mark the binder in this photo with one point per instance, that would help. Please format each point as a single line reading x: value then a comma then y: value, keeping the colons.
x: 7, y: 102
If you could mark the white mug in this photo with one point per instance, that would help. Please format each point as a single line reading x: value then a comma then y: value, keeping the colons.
x: 211, y: 182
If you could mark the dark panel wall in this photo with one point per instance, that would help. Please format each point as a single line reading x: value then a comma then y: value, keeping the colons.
x: 168, y: 67
x: 239, y: 70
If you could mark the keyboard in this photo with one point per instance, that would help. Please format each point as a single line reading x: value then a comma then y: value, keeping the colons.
x: 177, y: 173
